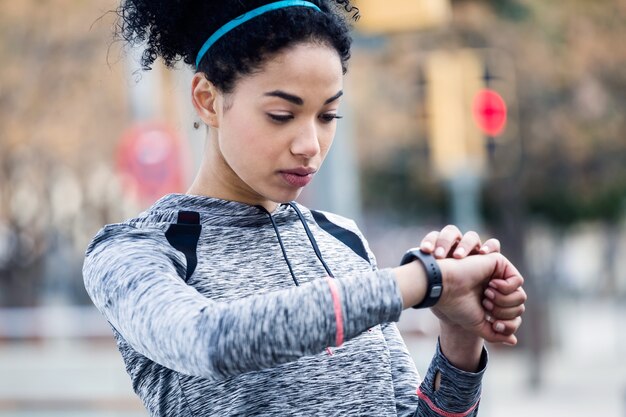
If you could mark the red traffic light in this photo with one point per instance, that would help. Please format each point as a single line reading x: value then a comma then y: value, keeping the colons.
x: 490, y: 112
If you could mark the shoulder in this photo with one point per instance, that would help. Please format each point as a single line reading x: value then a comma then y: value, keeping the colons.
x: 337, y: 219
x: 121, y: 233
x: 134, y: 238
x: 148, y: 226
x: 322, y: 216
x: 345, y: 230
x: 125, y: 248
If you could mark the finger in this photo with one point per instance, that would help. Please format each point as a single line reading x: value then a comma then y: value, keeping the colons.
x: 506, y: 327
x: 489, y: 333
x: 508, y: 285
x: 470, y: 243
x: 429, y: 241
x: 516, y: 298
x: 501, y: 313
x: 448, y: 237
x: 490, y: 246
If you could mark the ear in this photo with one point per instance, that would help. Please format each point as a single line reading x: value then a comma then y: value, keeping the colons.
x: 205, y: 98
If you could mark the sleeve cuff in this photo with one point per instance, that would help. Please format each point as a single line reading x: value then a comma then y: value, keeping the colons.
x: 459, y: 391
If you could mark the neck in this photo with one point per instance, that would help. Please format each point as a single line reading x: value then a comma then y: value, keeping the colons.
x: 216, y: 179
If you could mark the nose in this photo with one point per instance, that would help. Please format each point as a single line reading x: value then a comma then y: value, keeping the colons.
x: 306, y: 143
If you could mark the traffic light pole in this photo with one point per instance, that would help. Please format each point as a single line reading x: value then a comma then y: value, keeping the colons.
x: 465, y: 197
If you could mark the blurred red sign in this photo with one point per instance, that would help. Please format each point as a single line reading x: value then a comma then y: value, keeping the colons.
x: 490, y: 112
x: 150, y: 161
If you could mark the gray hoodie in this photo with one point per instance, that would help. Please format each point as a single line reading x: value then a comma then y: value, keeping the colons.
x: 260, y: 328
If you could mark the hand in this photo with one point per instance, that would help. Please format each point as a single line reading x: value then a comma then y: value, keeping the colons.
x: 450, y: 242
x: 503, y: 302
x: 461, y: 304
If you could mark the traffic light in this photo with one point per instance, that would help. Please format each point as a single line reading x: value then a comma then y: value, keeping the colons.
x: 490, y: 112
x: 468, y: 98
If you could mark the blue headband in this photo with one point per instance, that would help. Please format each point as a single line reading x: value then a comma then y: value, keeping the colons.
x: 244, y: 18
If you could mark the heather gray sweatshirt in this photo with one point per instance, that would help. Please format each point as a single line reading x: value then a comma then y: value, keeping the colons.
x: 240, y: 338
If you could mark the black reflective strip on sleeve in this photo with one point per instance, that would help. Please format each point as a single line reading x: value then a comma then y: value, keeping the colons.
x: 184, y: 235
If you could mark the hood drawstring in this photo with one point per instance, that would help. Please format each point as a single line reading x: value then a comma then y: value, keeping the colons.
x: 309, y: 234
x: 282, y: 245
x: 311, y: 238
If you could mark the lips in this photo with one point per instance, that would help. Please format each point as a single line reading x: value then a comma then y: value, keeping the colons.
x: 298, y: 177
x: 300, y: 171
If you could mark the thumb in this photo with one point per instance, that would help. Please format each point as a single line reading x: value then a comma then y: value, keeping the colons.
x: 461, y: 276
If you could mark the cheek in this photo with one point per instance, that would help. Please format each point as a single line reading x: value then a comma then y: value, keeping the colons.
x: 326, y: 141
x: 239, y: 132
x: 246, y: 146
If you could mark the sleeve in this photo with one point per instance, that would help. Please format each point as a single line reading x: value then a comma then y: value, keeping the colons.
x: 457, y: 396
x: 403, y: 372
x: 131, y: 276
x: 459, y: 392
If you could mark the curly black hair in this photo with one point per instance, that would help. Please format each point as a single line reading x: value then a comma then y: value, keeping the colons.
x: 176, y: 30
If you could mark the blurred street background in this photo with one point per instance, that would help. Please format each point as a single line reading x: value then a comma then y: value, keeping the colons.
x: 501, y: 116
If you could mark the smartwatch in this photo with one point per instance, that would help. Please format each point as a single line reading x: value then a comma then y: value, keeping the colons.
x: 433, y: 275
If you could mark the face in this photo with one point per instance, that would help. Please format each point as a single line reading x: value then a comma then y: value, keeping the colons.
x: 271, y: 134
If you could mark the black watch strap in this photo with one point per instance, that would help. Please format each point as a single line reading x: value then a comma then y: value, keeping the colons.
x: 433, y: 274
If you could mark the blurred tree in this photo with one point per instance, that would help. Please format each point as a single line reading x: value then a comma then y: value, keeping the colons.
x: 61, y: 107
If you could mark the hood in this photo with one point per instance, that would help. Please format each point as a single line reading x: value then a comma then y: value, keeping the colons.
x: 217, y: 212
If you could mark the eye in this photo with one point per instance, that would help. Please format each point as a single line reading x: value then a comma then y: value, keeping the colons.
x: 329, y: 117
x: 280, y: 118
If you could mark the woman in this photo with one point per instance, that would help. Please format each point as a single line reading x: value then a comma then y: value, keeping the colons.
x: 234, y: 300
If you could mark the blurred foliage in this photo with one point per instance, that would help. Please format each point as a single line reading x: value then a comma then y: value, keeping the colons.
x: 594, y: 189
x: 564, y: 207
x: 406, y: 194
x: 563, y: 199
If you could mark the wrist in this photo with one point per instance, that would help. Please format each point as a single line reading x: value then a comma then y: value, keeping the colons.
x: 412, y: 282
x: 462, y: 348
x: 434, y: 284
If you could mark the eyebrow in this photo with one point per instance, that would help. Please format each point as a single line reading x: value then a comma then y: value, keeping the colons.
x: 297, y: 100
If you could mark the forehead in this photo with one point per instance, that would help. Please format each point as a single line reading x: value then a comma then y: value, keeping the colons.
x: 305, y: 69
